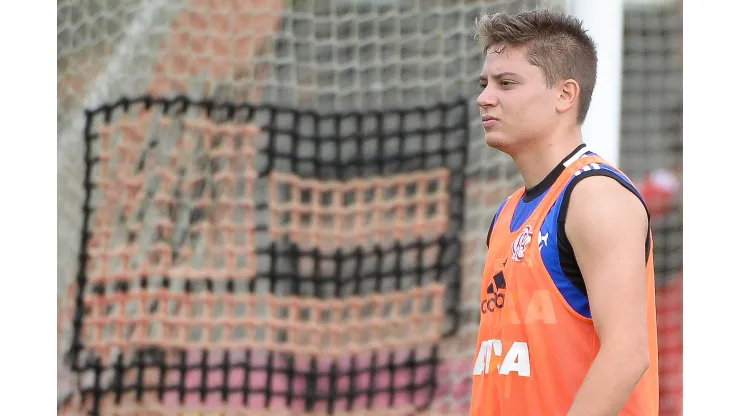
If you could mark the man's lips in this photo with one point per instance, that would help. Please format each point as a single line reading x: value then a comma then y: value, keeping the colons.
x: 489, y: 121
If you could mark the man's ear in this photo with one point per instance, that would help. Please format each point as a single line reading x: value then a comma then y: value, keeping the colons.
x: 568, y: 92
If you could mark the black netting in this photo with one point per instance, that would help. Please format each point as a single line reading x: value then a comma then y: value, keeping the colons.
x: 324, y: 147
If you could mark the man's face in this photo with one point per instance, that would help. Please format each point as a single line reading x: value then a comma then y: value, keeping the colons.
x: 516, y: 106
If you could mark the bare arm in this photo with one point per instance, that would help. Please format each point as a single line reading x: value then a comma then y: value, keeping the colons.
x: 607, y: 227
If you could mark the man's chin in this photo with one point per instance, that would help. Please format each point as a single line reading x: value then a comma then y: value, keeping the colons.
x: 502, y: 144
x: 497, y: 141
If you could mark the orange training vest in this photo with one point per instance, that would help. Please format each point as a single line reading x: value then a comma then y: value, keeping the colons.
x: 533, y: 349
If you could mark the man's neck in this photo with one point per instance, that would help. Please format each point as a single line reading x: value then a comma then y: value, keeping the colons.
x: 541, y: 157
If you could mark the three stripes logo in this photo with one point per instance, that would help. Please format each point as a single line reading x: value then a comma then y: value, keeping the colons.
x: 496, y: 294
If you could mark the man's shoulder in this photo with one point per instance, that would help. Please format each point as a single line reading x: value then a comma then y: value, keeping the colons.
x: 604, y: 181
x: 599, y: 201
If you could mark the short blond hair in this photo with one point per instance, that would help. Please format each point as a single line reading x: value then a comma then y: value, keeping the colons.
x: 555, y: 42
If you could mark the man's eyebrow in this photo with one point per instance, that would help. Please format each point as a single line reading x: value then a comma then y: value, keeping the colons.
x: 498, y: 75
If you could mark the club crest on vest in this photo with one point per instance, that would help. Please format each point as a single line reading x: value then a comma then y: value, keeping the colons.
x: 521, y: 243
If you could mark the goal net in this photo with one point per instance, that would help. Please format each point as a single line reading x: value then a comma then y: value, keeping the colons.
x: 651, y: 150
x: 271, y: 206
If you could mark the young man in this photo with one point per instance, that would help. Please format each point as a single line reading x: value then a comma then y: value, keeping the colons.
x: 567, y: 297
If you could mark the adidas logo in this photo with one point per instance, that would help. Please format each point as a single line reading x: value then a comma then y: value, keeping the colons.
x: 496, y: 291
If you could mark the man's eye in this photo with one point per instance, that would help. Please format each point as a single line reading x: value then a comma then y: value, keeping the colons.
x: 507, y: 83
x: 483, y: 86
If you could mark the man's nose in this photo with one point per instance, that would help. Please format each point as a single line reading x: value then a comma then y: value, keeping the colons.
x: 487, y: 98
